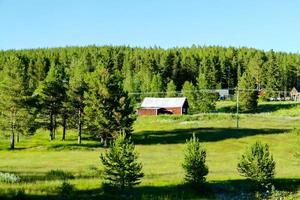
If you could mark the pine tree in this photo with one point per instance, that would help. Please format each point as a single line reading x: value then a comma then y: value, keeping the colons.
x: 171, y: 89
x: 156, y: 86
x: 52, y: 93
x: 14, y: 115
x: 248, y: 94
x: 108, y: 108
x: 188, y: 91
x: 206, y: 98
x: 77, y: 87
x: 257, y: 164
x: 273, y: 78
x: 121, y: 167
x: 194, y: 162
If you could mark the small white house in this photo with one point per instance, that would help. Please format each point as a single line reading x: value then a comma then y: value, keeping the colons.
x: 223, y: 93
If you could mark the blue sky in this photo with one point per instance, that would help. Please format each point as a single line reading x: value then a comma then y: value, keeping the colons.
x: 263, y: 24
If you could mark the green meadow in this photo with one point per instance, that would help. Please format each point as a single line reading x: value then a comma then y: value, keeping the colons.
x: 42, y: 165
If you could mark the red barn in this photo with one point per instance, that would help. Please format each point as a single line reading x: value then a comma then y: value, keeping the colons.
x: 171, y: 105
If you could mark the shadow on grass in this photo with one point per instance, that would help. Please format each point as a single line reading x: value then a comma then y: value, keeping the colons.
x: 204, y: 135
x: 229, y: 189
x: 74, y: 146
x: 274, y: 107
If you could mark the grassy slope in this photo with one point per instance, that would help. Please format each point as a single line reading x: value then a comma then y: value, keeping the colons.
x: 160, y: 142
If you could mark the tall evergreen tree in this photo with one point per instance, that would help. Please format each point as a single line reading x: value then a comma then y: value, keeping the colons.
x: 77, y: 87
x: 171, y: 89
x: 189, y: 91
x: 108, y: 108
x: 206, y: 98
x: 13, y: 94
x: 273, y: 77
x: 248, y: 94
x: 156, y: 86
x: 52, y: 93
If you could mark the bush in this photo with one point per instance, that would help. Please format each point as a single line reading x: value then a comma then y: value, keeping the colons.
x: 257, y: 164
x: 194, y: 162
x: 58, y: 174
x: 121, y: 168
x: 19, y: 195
x: 66, y: 190
x: 9, y: 178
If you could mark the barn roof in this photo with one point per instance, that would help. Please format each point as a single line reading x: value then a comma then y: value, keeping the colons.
x: 151, y: 102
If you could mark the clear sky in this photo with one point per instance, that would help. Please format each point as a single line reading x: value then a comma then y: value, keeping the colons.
x: 263, y: 24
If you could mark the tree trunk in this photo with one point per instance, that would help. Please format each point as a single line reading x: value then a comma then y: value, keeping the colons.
x: 54, y: 126
x: 12, y: 136
x: 105, y: 142
x: 79, y: 127
x: 18, y: 137
x: 12, y: 139
x: 64, y: 127
x: 51, y: 126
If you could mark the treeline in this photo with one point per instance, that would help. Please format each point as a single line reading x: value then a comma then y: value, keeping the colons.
x: 94, y: 87
x: 151, y: 69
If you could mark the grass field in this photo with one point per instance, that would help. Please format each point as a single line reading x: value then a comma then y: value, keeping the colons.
x: 160, y: 143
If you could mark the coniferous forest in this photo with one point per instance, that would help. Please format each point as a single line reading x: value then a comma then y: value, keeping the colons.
x: 47, y: 88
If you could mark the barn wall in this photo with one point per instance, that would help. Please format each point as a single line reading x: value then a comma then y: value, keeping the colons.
x: 175, y: 110
x: 143, y: 111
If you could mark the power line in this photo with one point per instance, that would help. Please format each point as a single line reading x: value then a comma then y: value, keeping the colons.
x: 210, y: 91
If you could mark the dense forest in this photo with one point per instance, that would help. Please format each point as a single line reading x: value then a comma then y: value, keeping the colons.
x: 58, y: 86
x: 149, y: 70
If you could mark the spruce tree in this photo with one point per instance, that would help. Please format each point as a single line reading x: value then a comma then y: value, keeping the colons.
x: 194, y: 162
x: 206, y: 98
x: 51, y: 94
x: 14, y: 114
x: 273, y: 77
x: 257, y: 164
x: 156, y: 86
x: 121, y: 167
x: 189, y: 91
x: 171, y: 89
x: 248, y: 94
x: 108, y: 107
x: 77, y: 87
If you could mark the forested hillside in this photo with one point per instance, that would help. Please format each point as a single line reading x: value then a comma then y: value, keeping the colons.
x: 47, y: 88
x: 150, y: 69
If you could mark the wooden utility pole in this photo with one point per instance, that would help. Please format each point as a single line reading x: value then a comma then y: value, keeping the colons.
x: 237, y: 109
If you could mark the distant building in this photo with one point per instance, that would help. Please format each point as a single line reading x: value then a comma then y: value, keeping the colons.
x: 223, y: 94
x: 157, y: 106
x: 295, y: 95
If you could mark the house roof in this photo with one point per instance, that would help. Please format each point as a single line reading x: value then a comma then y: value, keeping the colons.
x: 151, y: 102
x: 294, y: 91
x: 223, y: 92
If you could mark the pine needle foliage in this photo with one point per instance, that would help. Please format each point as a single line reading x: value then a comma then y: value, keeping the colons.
x: 194, y: 162
x: 121, y: 167
x: 257, y: 164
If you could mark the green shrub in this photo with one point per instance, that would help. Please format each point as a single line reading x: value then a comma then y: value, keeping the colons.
x: 58, y: 174
x: 121, y: 168
x: 257, y: 164
x: 194, y: 162
x: 19, y: 195
x: 9, y: 178
x: 66, y: 190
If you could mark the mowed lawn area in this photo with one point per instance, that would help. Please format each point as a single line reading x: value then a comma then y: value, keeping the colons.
x: 160, y: 143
